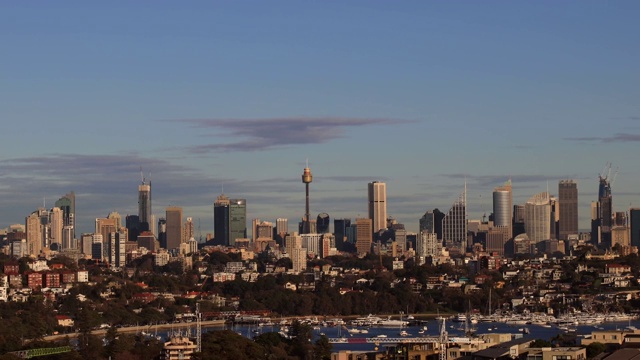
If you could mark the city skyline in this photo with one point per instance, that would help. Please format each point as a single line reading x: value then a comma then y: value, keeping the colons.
x: 418, y: 95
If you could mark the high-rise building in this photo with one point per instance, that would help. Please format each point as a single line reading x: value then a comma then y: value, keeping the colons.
x: 568, y: 199
x: 144, y: 205
x: 237, y: 220
x: 132, y: 222
x: 221, y: 220
x: 116, y: 249
x: 340, y: 227
x: 56, y: 224
x: 634, y: 226
x: 298, y: 254
x: 537, y: 218
x: 117, y: 218
x: 36, y: 226
x: 377, y: 205
x: 230, y: 220
x: 427, y: 244
x: 454, y: 224
x: 602, y: 219
x: 67, y: 204
x: 322, y: 223
x: 282, y: 226
x: 105, y: 226
x: 174, y: 227
x: 427, y: 222
x: 307, y: 178
x: 188, y: 230
x: 364, y: 236
x: 162, y: 232
x: 503, y: 207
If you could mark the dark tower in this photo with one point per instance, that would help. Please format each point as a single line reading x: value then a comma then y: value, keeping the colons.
x: 144, y: 204
x: 322, y: 223
x: 306, y: 179
x: 221, y: 220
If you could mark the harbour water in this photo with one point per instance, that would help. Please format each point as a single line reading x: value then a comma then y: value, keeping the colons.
x: 432, y: 330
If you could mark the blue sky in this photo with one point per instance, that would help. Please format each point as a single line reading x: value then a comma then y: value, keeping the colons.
x: 418, y: 94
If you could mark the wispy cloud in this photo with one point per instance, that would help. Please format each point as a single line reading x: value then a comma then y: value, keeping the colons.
x: 271, y: 133
x: 619, y: 137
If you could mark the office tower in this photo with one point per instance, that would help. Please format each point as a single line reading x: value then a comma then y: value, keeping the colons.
x: 116, y: 249
x: 133, y: 227
x: 68, y: 241
x: 105, y: 226
x: 174, y: 227
x: 518, y: 220
x: 537, y: 218
x: 400, y: 236
x: 221, y: 220
x: 307, y: 178
x: 162, y: 233
x: 427, y: 222
x: 237, y: 220
x: 36, y: 230
x: 634, y: 225
x: 377, y: 192
x: 264, y: 230
x: 555, y: 218
x: 298, y: 254
x: 67, y: 204
x: 322, y: 223
x: 503, y: 207
x: 144, y: 205
x: 340, y: 227
x: 282, y: 226
x: 188, y: 230
x: 568, y: 198
x: 85, y: 244
x: 312, y: 242
x: 602, y: 213
x: 454, y: 224
x: 147, y: 240
x: 364, y: 235
x: 97, y: 251
x: 427, y: 245
x: 116, y: 218
x: 56, y: 224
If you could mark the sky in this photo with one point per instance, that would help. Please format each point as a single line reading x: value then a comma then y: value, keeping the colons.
x: 236, y: 96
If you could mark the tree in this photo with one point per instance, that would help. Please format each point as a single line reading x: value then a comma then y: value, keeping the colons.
x: 227, y: 345
x: 322, y: 348
x: 594, y: 349
x: 540, y: 343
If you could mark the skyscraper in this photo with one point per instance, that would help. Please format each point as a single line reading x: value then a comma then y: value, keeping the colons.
x: 221, y: 220
x: 144, y: 205
x: 454, y: 224
x: 174, y: 227
x: 340, y: 227
x: 307, y: 178
x: 537, y: 218
x: 377, y: 205
x: 568, y: 198
x: 282, y: 226
x: 67, y: 204
x: 162, y: 232
x: 602, y: 222
x: 634, y: 225
x: 503, y: 207
x: 237, y: 220
x: 56, y: 221
x: 322, y: 223
x: 364, y: 236
x: 427, y: 222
